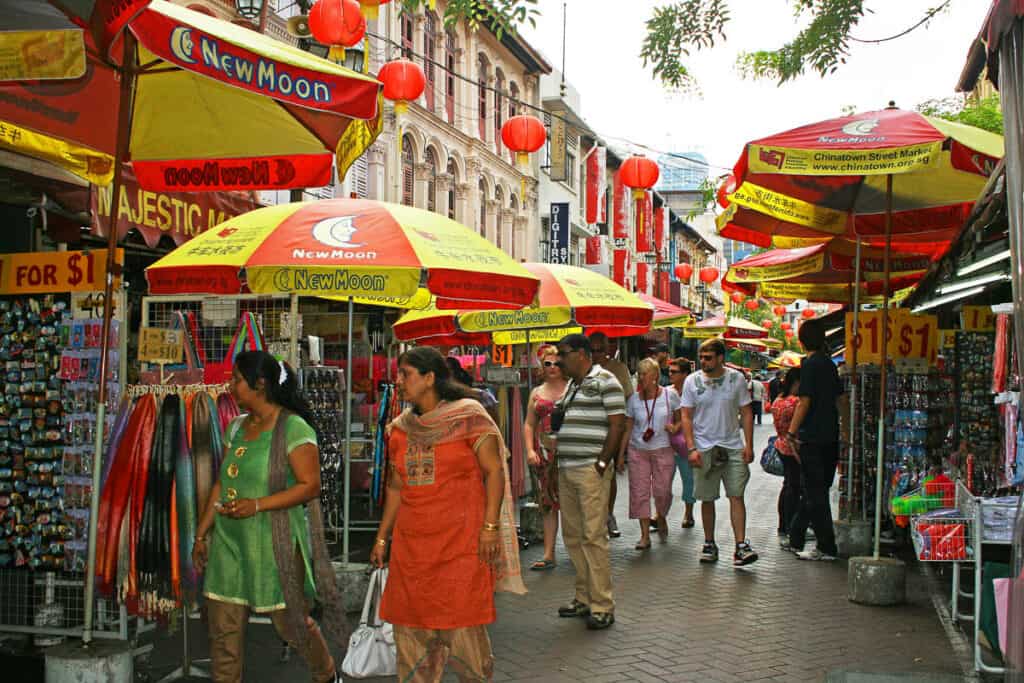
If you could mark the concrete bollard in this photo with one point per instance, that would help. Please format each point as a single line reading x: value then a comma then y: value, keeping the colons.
x: 880, y: 583
x: 353, y: 582
x: 854, y: 538
x: 104, y: 661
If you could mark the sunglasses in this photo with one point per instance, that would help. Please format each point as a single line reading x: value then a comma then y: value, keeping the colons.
x: 676, y: 372
x: 707, y: 356
x: 550, y: 363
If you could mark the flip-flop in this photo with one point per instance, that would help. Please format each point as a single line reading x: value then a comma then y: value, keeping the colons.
x: 662, y: 529
x: 542, y: 565
x: 643, y: 546
x: 688, y: 524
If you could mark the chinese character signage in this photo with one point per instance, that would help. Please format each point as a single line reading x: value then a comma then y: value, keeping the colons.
x: 559, y: 236
x: 596, y: 170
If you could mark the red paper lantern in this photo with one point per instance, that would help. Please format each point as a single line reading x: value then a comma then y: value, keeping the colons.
x: 786, y: 326
x: 708, y: 275
x: 789, y: 334
x: 753, y: 305
x: 403, y: 83
x: 807, y: 313
x: 524, y: 135
x: 767, y: 324
x: 684, y: 271
x: 779, y: 311
x: 338, y: 24
x: 737, y: 297
x: 371, y: 8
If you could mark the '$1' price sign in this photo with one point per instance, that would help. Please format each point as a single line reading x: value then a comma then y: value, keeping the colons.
x: 54, y: 271
x: 908, y: 336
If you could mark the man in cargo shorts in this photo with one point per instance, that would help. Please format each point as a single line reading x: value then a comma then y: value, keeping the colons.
x: 713, y: 401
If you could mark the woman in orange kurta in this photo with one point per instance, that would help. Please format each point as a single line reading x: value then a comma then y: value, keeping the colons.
x: 453, y: 545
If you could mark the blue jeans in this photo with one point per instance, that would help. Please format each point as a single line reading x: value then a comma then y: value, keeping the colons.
x: 686, y: 474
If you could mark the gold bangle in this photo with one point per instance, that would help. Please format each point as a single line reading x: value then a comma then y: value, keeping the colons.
x: 491, y: 527
x: 382, y: 541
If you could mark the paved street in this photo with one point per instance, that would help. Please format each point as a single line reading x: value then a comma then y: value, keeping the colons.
x: 676, y: 620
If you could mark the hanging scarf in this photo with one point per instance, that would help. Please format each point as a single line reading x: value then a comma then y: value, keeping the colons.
x: 380, y: 444
x: 205, y: 442
x: 154, y: 563
x: 467, y: 420
x: 185, y: 498
x: 333, y: 619
x: 120, y: 424
x: 121, y: 493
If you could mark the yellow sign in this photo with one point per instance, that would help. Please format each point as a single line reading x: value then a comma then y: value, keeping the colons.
x: 157, y: 345
x: 947, y: 339
x: 781, y: 271
x: 909, y: 336
x: 550, y: 335
x: 501, y: 354
x: 789, y: 209
x: 523, y: 319
x: 53, y: 272
x: 39, y: 55
x: 790, y: 161
x: 978, y: 319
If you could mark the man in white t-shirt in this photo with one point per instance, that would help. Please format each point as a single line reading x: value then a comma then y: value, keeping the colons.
x: 756, y: 387
x: 720, y: 453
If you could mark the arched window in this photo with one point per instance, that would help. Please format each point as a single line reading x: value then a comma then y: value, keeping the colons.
x: 482, y: 186
x: 450, y: 63
x: 499, y: 199
x: 499, y: 88
x: 407, y: 24
x: 408, y: 172
x: 482, y: 75
x: 431, y: 160
x: 453, y: 181
x: 513, y: 99
x: 429, y: 55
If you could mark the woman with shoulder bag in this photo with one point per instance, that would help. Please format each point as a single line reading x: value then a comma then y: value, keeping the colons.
x: 782, y: 414
x: 652, y: 414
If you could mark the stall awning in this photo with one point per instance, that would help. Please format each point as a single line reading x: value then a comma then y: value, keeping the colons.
x: 984, y: 51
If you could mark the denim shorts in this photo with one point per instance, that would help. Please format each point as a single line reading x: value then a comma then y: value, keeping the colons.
x: 720, y: 466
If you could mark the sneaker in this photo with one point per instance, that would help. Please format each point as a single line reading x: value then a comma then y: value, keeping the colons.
x: 784, y: 541
x: 613, y: 527
x: 573, y: 609
x: 709, y: 553
x: 744, y: 555
x: 600, y: 620
x: 816, y: 555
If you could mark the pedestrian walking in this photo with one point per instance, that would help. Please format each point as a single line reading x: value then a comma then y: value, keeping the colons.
x: 661, y: 357
x: 603, y: 350
x: 756, y: 398
x: 652, y: 414
x: 679, y: 370
x: 256, y: 545
x: 775, y: 387
x: 783, y: 408
x: 721, y: 453
x: 814, y: 434
x: 589, y: 422
x: 540, y: 449
x: 443, y: 512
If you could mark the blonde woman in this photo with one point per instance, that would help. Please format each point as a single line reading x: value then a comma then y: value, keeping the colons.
x: 539, y: 454
x: 652, y: 414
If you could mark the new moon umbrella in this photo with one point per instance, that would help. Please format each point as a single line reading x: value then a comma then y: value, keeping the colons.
x: 667, y: 315
x: 826, y: 174
x: 719, y: 326
x: 346, y: 248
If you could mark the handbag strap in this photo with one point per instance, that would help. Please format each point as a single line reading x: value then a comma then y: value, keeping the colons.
x: 371, y: 598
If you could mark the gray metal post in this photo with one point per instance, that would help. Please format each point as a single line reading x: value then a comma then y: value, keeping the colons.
x: 851, y: 356
x: 347, y: 496
x: 293, y: 335
x: 883, y: 391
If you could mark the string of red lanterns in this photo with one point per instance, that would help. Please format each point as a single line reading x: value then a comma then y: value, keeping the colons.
x: 807, y: 313
x: 779, y: 310
x: 753, y: 305
x: 684, y: 271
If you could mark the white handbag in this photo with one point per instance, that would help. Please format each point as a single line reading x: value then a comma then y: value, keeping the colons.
x: 371, y: 649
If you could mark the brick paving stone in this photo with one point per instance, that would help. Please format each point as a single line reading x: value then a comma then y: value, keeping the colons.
x: 677, y: 620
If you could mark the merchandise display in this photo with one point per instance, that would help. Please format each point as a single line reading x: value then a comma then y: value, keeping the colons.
x: 977, y: 419
x: 324, y: 388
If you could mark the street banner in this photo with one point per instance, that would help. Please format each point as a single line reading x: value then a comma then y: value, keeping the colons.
x: 619, y: 266
x: 641, y: 277
x: 644, y: 221
x: 597, y: 164
x: 595, y: 250
x: 179, y: 215
x: 663, y: 285
x: 54, y: 272
x: 558, y: 171
x: 619, y: 201
x: 249, y: 173
x: 660, y: 220
x: 558, y: 237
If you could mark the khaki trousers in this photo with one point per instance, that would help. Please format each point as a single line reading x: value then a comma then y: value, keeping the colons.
x: 583, y: 500
x: 227, y: 622
x: 423, y: 654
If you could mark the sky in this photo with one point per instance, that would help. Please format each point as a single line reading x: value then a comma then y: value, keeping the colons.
x: 620, y: 99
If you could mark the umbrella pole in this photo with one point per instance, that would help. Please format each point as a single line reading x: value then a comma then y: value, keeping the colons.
x: 124, y: 123
x: 347, y: 495
x: 885, y: 369
x: 529, y: 364
x: 293, y: 335
x: 851, y: 355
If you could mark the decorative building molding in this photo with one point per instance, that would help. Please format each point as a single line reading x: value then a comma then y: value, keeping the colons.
x: 462, y: 191
x: 423, y: 171
x: 444, y: 182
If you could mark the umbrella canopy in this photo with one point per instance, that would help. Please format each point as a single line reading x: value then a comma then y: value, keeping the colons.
x: 346, y: 247
x: 569, y: 297
x: 718, y: 326
x: 38, y: 42
x: 216, y: 107
x: 667, y: 315
x: 787, y: 359
x: 753, y: 345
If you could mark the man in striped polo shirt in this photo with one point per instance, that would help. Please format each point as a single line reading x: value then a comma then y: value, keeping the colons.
x: 594, y: 409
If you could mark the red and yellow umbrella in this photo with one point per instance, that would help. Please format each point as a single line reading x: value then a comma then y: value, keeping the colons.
x: 667, y: 315
x: 346, y: 248
x: 719, y: 326
x: 570, y: 299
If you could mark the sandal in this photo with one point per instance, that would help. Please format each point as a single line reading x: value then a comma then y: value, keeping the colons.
x: 643, y: 546
x: 688, y: 524
x: 662, y: 529
x: 542, y: 565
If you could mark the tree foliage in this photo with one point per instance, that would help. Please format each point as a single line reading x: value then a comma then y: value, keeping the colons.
x: 984, y: 113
